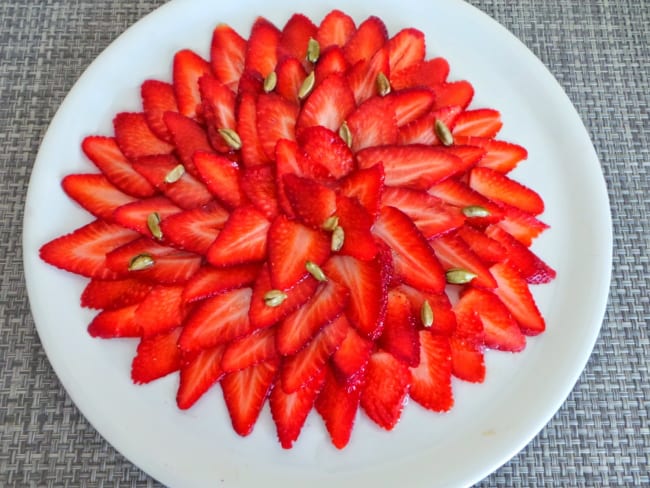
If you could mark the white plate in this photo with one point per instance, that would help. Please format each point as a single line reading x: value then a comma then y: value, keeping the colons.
x: 490, y: 422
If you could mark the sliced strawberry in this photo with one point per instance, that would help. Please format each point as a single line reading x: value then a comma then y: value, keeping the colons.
x: 261, y: 52
x: 295, y: 36
x: 245, y: 392
x: 302, y: 325
x: 217, y: 320
x: 467, y: 360
x: 485, y: 247
x: 250, y: 83
x: 387, y: 383
x: 276, y: 119
x: 337, y: 404
x: 416, y: 166
x: 297, y: 370
x: 84, y: 251
x: 497, y: 186
x: 325, y: 147
x: 95, y: 194
x: 187, y: 192
x: 258, y: 185
x: 405, y: 49
x: 367, y: 186
x: 411, y: 104
x: 194, y: 230
x: 114, y: 323
x: 188, y: 68
x: 311, y: 202
x: 444, y: 319
x: 328, y: 105
x: 453, y: 93
x: 217, y: 105
x: 157, y: 98
x: 455, y: 192
x: 335, y: 29
x: 363, y: 75
x: 252, y: 152
x: 356, y: 223
x: 156, y: 356
x: 366, y: 308
x: 227, y: 53
x: 422, y: 130
x: 197, y: 375
x: 209, y: 281
x: 113, y: 294
x: 249, y: 350
x: 291, y: 75
x: 369, y: 37
x: 373, y: 123
x: 161, y: 310
x: 134, y: 215
x: 221, y: 176
x: 106, y: 155
x: 331, y: 60
x: 350, y: 359
x: 454, y: 253
x: 515, y: 294
x: 413, y: 258
x: 189, y: 137
x: 242, y: 239
x: 523, y: 226
x: 499, y: 155
x: 400, y: 334
x: 430, y: 215
x: 290, y: 410
x: 431, y: 380
x: 431, y: 73
x: 291, y: 245
x: 470, y: 155
x: 483, y: 122
x: 134, y: 137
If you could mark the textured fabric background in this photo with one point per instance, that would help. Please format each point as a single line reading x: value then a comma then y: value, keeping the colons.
x: 599, y: 52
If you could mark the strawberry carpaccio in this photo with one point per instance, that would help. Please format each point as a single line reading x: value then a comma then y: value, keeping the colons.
x: 290, y: 217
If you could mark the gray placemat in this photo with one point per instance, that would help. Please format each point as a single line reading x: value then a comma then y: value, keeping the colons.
x: 599, y: 52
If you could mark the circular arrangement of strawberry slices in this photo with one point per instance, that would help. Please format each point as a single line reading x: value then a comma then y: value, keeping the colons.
x: 312, y: 217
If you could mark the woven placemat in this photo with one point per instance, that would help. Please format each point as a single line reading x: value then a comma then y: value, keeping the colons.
x: 599, y: 52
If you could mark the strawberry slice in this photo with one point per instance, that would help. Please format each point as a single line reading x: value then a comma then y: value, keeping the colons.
x: 261, y: 52
x: 189, y: 137
x: 299, y: 369
x: 291, y: 75
x: 386, y: 385
x: 188, y: 68
x: 328, y: 105
x: 373, y: 123
x: 356, y: 223
x: 431, y: 379
x: 369, y: 37
x: 113, y: 294
x: 405, y: 49
x: 158, y: 97
x: 400, y: 335
x: 458, y: 93
x: 276, y: 119
x: 456, y: 192
x: 221, y: 176
x: 311, y: 202
x: 291, y: 245
x: 106, y: 155
x: 523, y: 226
x: 161, y: 310
x: 499, y: 155
x: 295, y: 36
x: 245, y: 392
x: 258, y: 185
x: 363, y: 75
x: 444, y: 320
x: 209, y: 281
x: 499, y: 187
x: 331, y: 60
x: 134, y: 215
x: 413, y: 258
x: 196, y: 229
x: 483, y: 122
x: 217, y: 320
x: 454, y: 253
x: 242, y: 239
x: 249, y: 350
x: 83, y: 251
x: 217, y: 107
x: 430, y: 73
x: 95, y: 194
x: 422, y: 130
x: 367, y: 186
x: 134, y: 137
x: 197, y: 375
x: 114, y: 323
x: 325, y: 147
x: 489, y: 250
x: 416, y: 166
x: 411, y: 104
x: 252, y: 152
x: 302, y: 325
x: 156, y: 356
x: 335, y: 29
x: 227, y: 54
x: 290, y: 410
x: 467, y: 360
x: 350, y: 359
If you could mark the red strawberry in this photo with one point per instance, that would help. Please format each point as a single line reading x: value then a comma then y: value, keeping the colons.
x: 431, y: 379
x: 156, y: 356
x: 454, y: 253
x: 276, y: 119
x: 422, y: 130
x: 400, y: 334
x: 113, y: 294
x: 290, y: 410
x: 134, y: 215
x: 373, y: 123
x: 467, y: 361
x: 497, y: 186
x: 413, y: 258
x: 84, y: 251
x: 431, y: 73
x: 217, y: 107
x: 350, y: 359
x: 523, y: 226
x: 325, y: 147
x: 194, y: 230
x: 295, y: 37
x: 157, y: 98
x: 483, y: 122
x: 302, y: 325
x: 406, y: 48
x: 455, y: 192
x: 453, y: 93
x: 299, y: 369
x: 331, y: 60
x: 117, y: 322
x: 197, y: 375
x: 411, y: 104
x: 499, y: 155
x: 161, y: 310
x: 367, y: 186
x: 189, y: 138
x: 209, y: 281
x: 249, y: 350
x: 470, y: 155
x: 444, y: 320
x: 242, y: 239
x: 258, y: 185
x: 291, y: 245
x: 485, y: 247
x: 290, y: 75
x: 227, y: 53
x: 221, y: 176
x: 369, y: 37
x: 252, y: 152
x: 250, y: 83
x: 106, y: 155
x: 416, y: 166
x: 335, y: 29
x: 328, y: 105
x: 189, y: 67
x: 134, y: 137
x: 312, y: 202
x: 261, y: 52
x: 217, y: 320
x: 356, y: 223
x: 386, y: 385
x: 95, y: 194
x: 364, y: 73
x: 245, y: 392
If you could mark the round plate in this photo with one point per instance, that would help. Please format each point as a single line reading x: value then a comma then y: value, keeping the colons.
x: 489, y: 423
